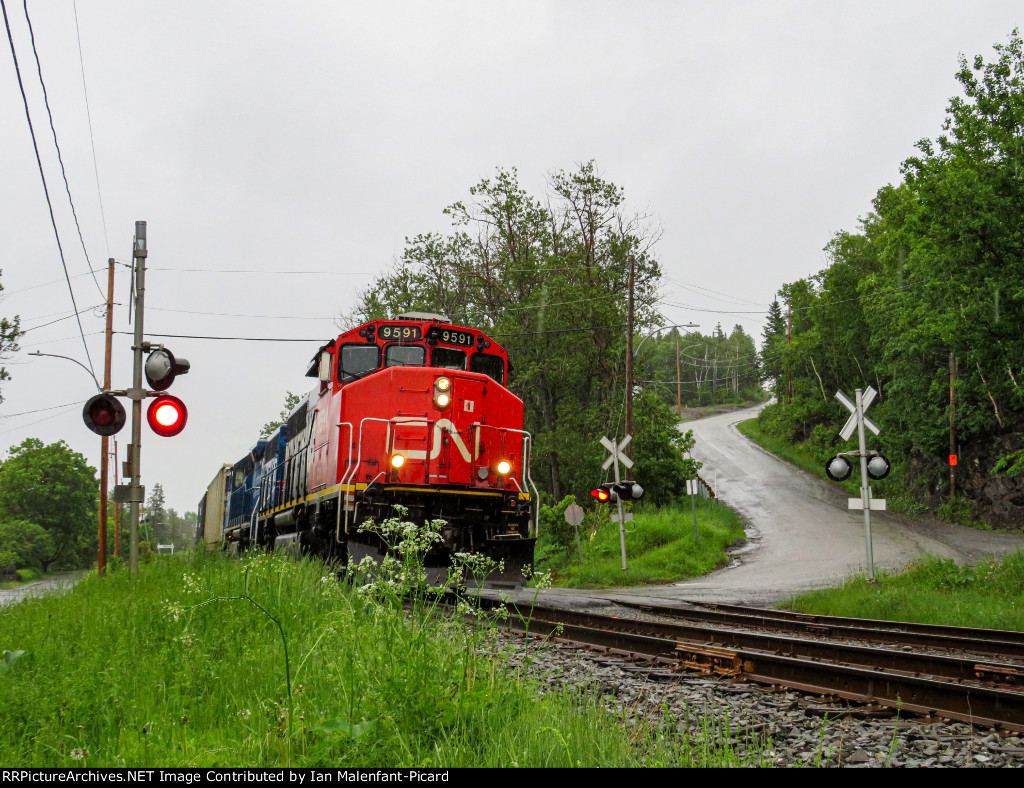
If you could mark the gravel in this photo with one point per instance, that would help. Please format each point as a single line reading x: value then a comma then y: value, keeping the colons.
x: 770, y: 727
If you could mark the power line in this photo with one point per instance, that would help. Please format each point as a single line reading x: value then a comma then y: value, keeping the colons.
x: 65, y: 317
x: 39, y: 410
x: 60, y: 159
x: 46, y: 191
x: 234, y: 314
x: 92, y: 141
x: 230, y: 339
x: 166, y: 269
x: 47, y: 284
x: 39, y: 421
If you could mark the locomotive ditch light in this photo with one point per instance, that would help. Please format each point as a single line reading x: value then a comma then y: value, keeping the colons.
x: 504, y: 467
x: 397, y: 460
x: 104, y: 414
x: 878, y: 467
x: 482, y: 473
x: 167, y: 415
x: 838, y: 469
x: 162, y: 367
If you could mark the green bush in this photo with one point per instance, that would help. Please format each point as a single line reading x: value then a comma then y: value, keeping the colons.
x: 25, y: 575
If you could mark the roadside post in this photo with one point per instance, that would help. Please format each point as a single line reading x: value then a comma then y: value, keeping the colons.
x: 838, y: 468
x: 691, y: 489
x: 574, y: 515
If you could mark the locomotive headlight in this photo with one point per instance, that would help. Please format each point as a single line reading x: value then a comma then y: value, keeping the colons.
x: 397, y: 461
x: 442, y: 392
x: 504, y: 467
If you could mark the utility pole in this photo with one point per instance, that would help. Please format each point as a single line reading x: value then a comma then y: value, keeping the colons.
x: 789, y: 340
x: 679, y: 384
x: 136, y: 393
x: 952, y: 427
x: 629, y: 365
x: 101, y: 560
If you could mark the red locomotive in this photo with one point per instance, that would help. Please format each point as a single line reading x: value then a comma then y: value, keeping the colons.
x: 412, y: 412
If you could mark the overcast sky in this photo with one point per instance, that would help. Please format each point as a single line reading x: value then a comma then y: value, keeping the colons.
x: 313, y: 137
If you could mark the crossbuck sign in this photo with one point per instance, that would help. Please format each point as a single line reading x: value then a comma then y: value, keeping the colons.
x: 615, y: 456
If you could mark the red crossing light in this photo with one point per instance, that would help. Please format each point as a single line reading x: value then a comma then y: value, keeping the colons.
x: 167, y: 415
x: 603, y: 493
x: 103, y: 414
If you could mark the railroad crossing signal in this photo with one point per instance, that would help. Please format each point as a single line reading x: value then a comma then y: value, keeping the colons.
x: 103, y: 414
x: 851, y: 423
x: 167, y: 415
x: 615, y: 453
x: 838, y: 468
x: 619, y: 489
x: 162, y: 367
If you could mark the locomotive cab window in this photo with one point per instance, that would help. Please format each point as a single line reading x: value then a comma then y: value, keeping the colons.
x: 491, y: 366
x: 448, y: 358
x: 356, y: 361
x: 404, y: 356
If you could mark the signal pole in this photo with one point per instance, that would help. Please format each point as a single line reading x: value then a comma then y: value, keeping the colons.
x: 136, y: 393
x: 101, y: 559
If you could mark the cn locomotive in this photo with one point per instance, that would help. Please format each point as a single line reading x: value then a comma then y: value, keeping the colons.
x: 409, y: 415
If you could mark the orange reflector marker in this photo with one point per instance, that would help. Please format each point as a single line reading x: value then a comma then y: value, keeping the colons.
x: 952, y: 459
x: 167, y: 415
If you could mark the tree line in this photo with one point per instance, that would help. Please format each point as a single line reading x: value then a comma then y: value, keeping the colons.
x: 925, y: 301
x: 550, y: 278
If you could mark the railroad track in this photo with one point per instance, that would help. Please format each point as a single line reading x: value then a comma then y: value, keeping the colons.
x: 745, y: 644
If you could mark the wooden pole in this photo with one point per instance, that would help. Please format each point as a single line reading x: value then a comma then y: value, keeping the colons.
x: 952, y: 427
x: 629, y: 366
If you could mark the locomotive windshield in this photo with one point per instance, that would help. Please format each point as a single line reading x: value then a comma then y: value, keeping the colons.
x: 492, y: 366
x: 356, y: 361
x: 448, y: 358
x: 404, y: 356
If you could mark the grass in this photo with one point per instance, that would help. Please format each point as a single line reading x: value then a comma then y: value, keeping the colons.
x: 189, y: 664
x: 989, y: 595
x: 660, y: 547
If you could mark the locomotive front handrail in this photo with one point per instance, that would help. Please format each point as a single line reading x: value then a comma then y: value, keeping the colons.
x: 527, y: 479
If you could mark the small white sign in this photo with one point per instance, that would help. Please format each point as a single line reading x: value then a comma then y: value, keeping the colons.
x: 877, y: 504
x: 627, y: 517
x: 691, y: 487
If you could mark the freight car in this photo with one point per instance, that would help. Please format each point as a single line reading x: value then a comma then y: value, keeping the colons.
x: 411, y: 414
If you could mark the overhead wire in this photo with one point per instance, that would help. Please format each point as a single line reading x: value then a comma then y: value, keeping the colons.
x: 56, y: 145
x: 46, y: 191
x: 65, y: 317
x: 92, y: 140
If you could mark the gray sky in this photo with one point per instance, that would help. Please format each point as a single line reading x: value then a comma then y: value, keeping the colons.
x: 316, y: 136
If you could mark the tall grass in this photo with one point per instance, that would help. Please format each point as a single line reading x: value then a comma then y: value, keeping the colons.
x: 989, y: 595
x: 177, y: 666
x: 660, y: 548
